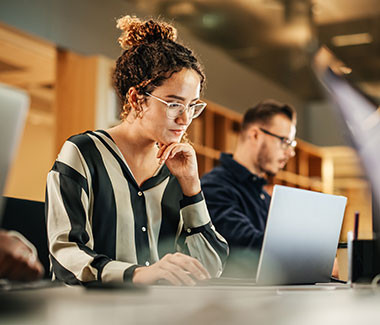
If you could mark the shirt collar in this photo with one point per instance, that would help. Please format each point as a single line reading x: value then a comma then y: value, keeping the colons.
x: 153, y: 181
x: 240, y: 172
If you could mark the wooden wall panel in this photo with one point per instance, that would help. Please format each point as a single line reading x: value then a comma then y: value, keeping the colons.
x: 76, y: 89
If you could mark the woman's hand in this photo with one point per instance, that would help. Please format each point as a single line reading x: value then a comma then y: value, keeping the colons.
x: 181, y: 160
x: 177, y: 269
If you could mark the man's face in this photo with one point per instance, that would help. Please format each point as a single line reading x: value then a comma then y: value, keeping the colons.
x: 272, y: 154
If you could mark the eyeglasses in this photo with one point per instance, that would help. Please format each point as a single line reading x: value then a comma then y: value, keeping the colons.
x: 174, y: 110
x: 285, y: 142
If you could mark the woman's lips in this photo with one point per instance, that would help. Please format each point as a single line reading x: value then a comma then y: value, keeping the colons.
x: 177, y: 132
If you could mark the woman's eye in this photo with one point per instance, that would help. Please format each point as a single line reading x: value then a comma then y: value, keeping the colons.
x: 175, y: 105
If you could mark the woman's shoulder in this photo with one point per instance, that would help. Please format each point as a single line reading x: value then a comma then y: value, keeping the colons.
x: 78, y: 144
x: 81, y: 138
x: 84, y: 141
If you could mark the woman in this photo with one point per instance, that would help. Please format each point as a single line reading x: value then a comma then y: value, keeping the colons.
x: 125, y: 204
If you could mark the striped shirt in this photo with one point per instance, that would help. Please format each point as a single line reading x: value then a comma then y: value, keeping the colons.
x: 101, y: 225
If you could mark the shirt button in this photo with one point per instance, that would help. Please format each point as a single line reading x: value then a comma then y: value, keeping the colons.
x: 147, y: 263
x: 262, y: 196
x: 143, y: 229
x: 188, y: 230
x: 139, y: 193
x: 254, y: 178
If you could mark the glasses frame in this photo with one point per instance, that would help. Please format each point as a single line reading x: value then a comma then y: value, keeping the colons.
x: 285, y: 142
x: 185, y: 108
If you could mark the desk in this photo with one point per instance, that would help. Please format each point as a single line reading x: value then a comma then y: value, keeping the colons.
x: 185, y: 306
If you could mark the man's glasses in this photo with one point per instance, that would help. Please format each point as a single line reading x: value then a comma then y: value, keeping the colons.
x: 174, y: 110
x: 285, y: 142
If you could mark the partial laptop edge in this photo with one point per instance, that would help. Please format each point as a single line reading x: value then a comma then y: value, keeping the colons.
x: 301, y: 237
x: 14, y: 104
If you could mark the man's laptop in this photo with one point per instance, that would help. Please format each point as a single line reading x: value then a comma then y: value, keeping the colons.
x: 301, y: 237
x: 300, y: 240
x: 14, y: 105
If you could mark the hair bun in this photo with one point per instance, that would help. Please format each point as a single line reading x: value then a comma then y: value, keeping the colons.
x: 135, y: 31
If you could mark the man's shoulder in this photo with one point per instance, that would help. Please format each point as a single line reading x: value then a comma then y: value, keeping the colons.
x: 216, y: 174
x: 219, y: 177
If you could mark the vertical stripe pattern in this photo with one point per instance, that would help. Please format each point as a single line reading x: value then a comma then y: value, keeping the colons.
x: 102, y: 225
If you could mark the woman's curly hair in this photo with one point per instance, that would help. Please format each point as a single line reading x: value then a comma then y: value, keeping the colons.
x: 151, y: 55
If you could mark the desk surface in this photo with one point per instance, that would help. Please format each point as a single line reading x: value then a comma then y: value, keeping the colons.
x: 198, y: 305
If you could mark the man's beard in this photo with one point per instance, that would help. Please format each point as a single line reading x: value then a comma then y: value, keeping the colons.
x: 263, y: 159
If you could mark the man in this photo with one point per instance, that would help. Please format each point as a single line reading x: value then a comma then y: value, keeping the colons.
x: 237, y: 202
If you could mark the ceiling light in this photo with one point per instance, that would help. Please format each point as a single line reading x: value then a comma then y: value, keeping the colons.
x: 182, y: 9
x: 351, y: 39
x: 212, y: 20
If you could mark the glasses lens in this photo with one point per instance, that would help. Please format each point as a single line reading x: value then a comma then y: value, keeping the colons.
x: 174, y: 110
x: 286, y: 143
x: 197, y: 109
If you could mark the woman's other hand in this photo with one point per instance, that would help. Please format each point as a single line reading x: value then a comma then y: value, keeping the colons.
x: 177, y: 269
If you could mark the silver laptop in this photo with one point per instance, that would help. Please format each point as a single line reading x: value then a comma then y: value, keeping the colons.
x: 14, y: 105
x: 301, y: 237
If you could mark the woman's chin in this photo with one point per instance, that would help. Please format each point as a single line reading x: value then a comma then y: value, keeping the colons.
x: 171, y: 139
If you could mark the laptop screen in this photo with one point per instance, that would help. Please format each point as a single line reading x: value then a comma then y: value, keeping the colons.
x: 301, y: 237
x: 14, y: 105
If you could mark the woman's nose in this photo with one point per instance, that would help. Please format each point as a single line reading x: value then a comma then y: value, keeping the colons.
x: 184, y: 118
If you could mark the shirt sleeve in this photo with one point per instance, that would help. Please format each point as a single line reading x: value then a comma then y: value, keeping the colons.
x: 199, y: 237
x: 229, y: 218
x: 70, y: 237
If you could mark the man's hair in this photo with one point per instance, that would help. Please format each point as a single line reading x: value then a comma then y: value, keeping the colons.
x: 265, y: 110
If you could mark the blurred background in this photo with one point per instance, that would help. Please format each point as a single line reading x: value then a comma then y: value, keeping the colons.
x: 63, y: 52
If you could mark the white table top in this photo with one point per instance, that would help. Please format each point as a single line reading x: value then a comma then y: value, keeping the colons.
x: 197, y: 305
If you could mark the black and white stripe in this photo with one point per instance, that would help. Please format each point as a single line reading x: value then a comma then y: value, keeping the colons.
x: 102, y: 225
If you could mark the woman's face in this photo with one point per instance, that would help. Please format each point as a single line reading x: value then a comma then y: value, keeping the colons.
x: 182, y: 87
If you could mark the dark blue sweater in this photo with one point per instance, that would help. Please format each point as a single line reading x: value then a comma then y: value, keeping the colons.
x: 238, y: 206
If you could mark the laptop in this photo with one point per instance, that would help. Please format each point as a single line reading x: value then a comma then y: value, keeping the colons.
x: 301, y: 237
x: 300, y: 240
x: 14, y: 104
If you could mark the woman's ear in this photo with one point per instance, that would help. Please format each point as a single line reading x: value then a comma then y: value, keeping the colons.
x: 133, y: 98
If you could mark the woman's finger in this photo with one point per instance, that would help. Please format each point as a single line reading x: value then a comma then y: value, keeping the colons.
x: 193, y: 266
x: 177, y: 148
x: 179, y: 272
x: 167, y: 151
x: 169, y: 276
x: 162, y: 148
x: 186, y: 150
x: 200, y: 268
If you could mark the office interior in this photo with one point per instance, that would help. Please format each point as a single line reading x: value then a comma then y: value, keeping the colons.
x: 62, y: 53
